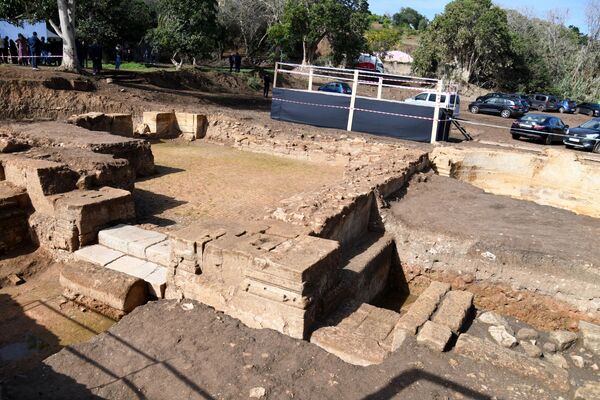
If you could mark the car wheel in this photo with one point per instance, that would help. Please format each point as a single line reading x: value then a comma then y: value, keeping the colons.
x: 541, y: 108
x: 548, y: 140
x: 561, y: 110
x: 591, y: 113
x: 596, y: 148
x: 569, y: 146
x: 474, y: 109
x: 577, y: 111
x: 515, y: 136
x: 505, y: 114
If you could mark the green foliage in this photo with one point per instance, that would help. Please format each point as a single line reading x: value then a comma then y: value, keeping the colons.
x: 113, y: 21
x: 410, y: 17
x: 19, y: 10
x: 383, y: 40
x: 188, y: 27
x: 306, y: 22
x: 470, y: 38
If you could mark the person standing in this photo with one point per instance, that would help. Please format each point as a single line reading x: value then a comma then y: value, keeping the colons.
x: 237, y: 61
x: 34, y: 50
x: 2, y: 50
x: 231, y: 62
x: 96, y: 56
x: 44, y: 51
x: 118, y: 56
x: 6, y: 51
x: 12, y: 51
x: 21, y: 44
x: 266, y: 84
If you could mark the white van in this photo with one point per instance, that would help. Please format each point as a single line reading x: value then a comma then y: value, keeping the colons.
x: 448, y: 100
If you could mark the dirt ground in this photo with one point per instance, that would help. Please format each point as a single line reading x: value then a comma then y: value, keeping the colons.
x: 163, y: 351
x: 202, y: 180
x: 35, y: 320
x: 539, y: 239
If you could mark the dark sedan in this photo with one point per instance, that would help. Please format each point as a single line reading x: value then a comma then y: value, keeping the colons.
x: 336, y: 87
x: 585, y: 136
x: 506, y: 107
x: 539, y: 126
x: 591, y: 109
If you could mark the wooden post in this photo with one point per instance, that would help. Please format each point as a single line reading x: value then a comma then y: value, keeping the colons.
x: 352, y: 100
x: 310, y: 79
x: 275, y: 75
x: 379, y: 88
x: 436, y: 113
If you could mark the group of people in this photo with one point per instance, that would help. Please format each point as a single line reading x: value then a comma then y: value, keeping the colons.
x: 33, y: 51
x: 235, y: 62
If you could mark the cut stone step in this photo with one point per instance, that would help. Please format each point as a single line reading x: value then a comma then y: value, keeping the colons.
x: 160, y: 253
x: 98, y: 254
x: 154, y: 274
x: 130, y: 239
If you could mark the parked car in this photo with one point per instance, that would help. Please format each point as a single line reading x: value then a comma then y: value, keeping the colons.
x: 522, y: 97
x: 585, y: 136
x: 591, y: 109
x: 506, y: 107
x: 490, y: 95
x: 539, y: 126
x: 336, y: 87
x: 566, y: 106
x: 543, y: 102
x: 449, y: 100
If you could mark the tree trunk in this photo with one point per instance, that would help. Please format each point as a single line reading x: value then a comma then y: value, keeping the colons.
x: 66, y: 15
x: 304, y: 52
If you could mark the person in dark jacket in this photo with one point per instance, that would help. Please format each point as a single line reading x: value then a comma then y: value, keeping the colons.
x: 266, y: 84
x: 12, y: 51
x: 238, y: 61
x: 96, y: 56
x: 4, y: 50
x: 35, y: 49
x: 231, y: 62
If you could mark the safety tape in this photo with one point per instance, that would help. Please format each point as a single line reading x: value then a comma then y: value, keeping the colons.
x: 22, y: 57
x: 538, y: 133
x: 358, y: 109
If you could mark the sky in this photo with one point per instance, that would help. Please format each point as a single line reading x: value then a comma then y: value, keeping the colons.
x: 574, y: 10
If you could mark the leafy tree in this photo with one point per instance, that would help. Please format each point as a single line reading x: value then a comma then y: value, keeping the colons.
x: 411, y: 17
x: 382, y: 40
x: 306, y: 22
x: 470, y: 37
x: 186, y: 27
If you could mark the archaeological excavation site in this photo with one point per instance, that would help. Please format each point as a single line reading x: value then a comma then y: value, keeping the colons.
x: 161, y: 236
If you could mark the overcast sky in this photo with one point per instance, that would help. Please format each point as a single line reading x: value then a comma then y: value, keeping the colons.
x: 573, y: 9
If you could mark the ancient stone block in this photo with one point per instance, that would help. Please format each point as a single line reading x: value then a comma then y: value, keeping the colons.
x: 591, y: 336
x: 434, y: 336
x: 121, y: 124
x: 485, y: 351
x: 161, y: 124
x: 454, y: 310
x: 98, y: 254
x: 111, y: 288
x: 349, y: 346
x: 502, y: 336
x: 130, y: 239
x: 159, y: 253
x: 192, y: 126
x: 152, y: 273
x: 435, y: 291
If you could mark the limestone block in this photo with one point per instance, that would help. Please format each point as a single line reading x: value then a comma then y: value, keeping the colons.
x: 192, y: 126
x: 98, y: 254
x: 349, y: 346
x: 152, y: 273
x: 562, y: 339
x: 435, y: 291
x: 114, y: 289
x: 130, y: 239
x: 434, y: 336
x: 121, y: 124
x: 485, y: 351
x: 454, y: 309
x: 591, y: 336
x: 411, y: 323
x: 157, y: 281
x: 161, y: 124
x: 159, y: 253
x: 502, y: 336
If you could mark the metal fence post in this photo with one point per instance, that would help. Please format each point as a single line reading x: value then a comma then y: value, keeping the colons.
x: 275, y: 75
x: 310, y: 79
x: 436, y: 112
x: 352, y: 100
x: 379, y: 88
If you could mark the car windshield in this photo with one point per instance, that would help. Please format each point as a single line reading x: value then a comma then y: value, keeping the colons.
x: 593, y: 124
x: 540, y: 119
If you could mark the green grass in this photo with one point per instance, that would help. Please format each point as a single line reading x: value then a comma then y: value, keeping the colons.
x: 138, y: 67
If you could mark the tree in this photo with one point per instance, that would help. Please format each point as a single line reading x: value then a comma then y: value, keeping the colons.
x: 470, y: 37
x: 20, y: 10
x: 250, y: 20
x: 383, y: 40
x: 186, y: 27
x: 306, y: 22
x: 411, y: 17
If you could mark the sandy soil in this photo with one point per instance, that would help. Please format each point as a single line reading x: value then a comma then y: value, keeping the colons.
x: 203, y: 354
x: 203, y: 180
x: 35, y: 320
